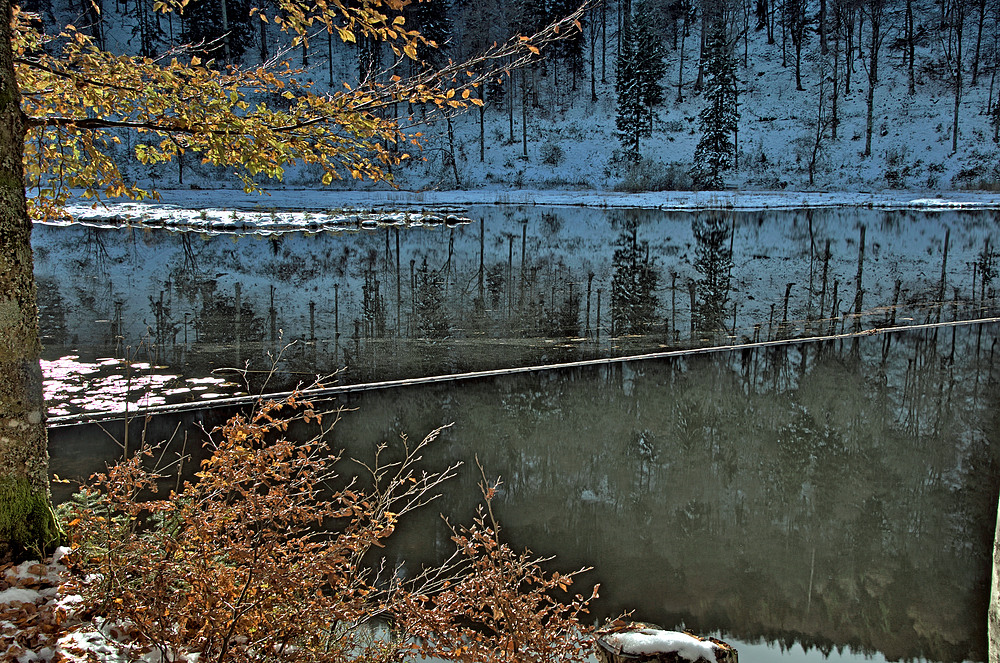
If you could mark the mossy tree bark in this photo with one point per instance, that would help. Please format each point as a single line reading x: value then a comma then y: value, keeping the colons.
x: 26, y: 521
x: 993, y: 614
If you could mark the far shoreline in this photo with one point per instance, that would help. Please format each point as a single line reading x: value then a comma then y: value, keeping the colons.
x: 327, y: 200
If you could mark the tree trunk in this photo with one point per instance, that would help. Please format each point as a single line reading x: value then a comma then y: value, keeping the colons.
x: 510, y: 106
x: 604, y: 42
x: 680, y: 63
x: 524, y: 115
x: 979, y: 42
x: 848, y: 51
x: 798, y: 64
x: 869, y: 117
x: 224, y: 13
x: 958, y: 95
x: 836, y: 87
x: 451, y: 150
x: 263, y: 40
x: 875, y: 27
x: 593, y: 60
x: 822, y: 27
x: 700, y: 80
x: 329, y: 54
x: 27, y: 524
x: 911, y: 88
x: 959, y: 24
x: 482, y: 125
x: 993, y: 626
x: 818, y: 137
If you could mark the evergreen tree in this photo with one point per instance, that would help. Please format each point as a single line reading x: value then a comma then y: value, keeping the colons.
x: 630, y: 112
x: 568, y: 51
x: 529, y: 16
x: 719, y: 118
x: 650, y: 68
x: 433, y: 20
x: 637, y: 81
x: 204, y: 26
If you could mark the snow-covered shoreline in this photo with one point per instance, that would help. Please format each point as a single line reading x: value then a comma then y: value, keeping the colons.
x: 312, y: 209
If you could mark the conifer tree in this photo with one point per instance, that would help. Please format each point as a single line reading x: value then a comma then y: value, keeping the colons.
x: 630, y: 113
x: 637, y: 82
x: 650, y: 67
x: 718, y: 119
x: 433, y: 21
x: 204, y: 27
x: 568, y: 51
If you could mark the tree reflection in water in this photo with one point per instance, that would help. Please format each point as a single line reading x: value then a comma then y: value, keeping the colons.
x: 517, y: 286
x: 803, y: 494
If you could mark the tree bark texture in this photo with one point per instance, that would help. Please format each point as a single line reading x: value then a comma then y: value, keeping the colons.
x: 26, y: 521
x: 993, y: 613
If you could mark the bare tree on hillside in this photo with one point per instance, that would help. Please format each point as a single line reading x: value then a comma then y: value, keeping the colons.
x: 874, y: 11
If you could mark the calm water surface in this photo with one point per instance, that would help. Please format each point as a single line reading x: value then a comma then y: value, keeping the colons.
x: 830, y: 495
x: 816, y: 499
x: 511, y: 287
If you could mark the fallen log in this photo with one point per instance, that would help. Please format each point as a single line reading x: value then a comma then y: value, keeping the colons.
x: 638, y: 642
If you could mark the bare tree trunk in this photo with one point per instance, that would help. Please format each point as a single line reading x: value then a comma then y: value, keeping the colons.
x: 225, y: 30
x: 875, y: 9
x: 822, y: 27
x: 593, y: 60
x: 703, y: 40
x: 263, y: 40
x: 993, y: 627
x: 958, y: 96
x: 524, y: 115
x: 834, y: 118
x: 510, y: 106
x: 604, y: 42
x: 482, y: 124
x: 911, y: 88
x: 451, y: 150
x: 798, y: 64
x: 959, y: 14
x: 979, y: 42
x: 818, y: 136
x: 329, y: 55
x: 848, y: 49
x: 26, y: 520
x: 680, y: 65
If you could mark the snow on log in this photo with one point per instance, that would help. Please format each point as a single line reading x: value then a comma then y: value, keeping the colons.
x: 639, y: 642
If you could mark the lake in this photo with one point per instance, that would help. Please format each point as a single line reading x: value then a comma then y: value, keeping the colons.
x: 834, y: 496
x: 152, y: 316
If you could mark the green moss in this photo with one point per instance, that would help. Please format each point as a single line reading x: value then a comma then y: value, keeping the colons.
x: 28, y: 525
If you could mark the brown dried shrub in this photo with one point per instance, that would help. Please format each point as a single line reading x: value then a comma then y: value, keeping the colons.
x: 270, y: 555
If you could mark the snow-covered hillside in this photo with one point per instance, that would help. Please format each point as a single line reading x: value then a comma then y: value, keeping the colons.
x: 911, y: 147
x: 571, y: 142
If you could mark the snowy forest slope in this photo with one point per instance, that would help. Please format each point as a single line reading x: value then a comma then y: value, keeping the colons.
x: 553, y: 124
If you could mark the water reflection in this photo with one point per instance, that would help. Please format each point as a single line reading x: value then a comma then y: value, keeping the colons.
x: 829, y: 495
x: 519, y: 286
x: 109, y: 385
